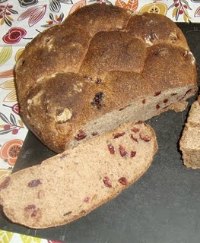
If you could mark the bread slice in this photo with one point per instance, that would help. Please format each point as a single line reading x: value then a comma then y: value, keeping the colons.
x: 70, y: 185
x: 100, y: 68
x: 190, y: 140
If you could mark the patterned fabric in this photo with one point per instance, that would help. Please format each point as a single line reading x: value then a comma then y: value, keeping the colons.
x: 22, y: 20
x: 10, y: 237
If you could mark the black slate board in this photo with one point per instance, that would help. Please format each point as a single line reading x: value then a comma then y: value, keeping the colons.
x: 162, y: 207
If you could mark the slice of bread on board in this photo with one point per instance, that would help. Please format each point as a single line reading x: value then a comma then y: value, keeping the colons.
x: 190, y: 140
x: 71, y: 184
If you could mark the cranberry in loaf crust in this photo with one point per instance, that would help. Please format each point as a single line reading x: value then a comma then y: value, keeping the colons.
x: 70, y: 185
x: 100, y: 68
x: 190, y: 140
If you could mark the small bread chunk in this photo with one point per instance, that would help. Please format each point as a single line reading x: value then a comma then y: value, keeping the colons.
x: 190, y: 140
x: 71, y: 184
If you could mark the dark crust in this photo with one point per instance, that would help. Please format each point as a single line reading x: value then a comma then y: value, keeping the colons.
x: 100, y: 42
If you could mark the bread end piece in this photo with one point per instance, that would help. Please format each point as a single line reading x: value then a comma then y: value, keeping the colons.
x: 190, y: 140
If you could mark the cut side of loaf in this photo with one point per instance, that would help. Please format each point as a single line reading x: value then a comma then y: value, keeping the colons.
x: 100, y: 68
x: 70, y: 185
x: 190, y: 140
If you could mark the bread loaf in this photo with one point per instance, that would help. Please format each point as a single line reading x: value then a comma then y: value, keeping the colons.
x: 190, y: 140
x: 100, y: 68
x: 70, y: 185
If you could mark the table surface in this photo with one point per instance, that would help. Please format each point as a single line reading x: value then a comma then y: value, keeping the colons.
x: 163, y: 206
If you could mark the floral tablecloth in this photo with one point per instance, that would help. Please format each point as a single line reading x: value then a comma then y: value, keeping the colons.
x: 10, y: 237
x: 20, y: 22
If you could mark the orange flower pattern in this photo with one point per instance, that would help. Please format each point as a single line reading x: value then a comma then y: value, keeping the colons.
x: 131, y: 5
x: 10, y: 151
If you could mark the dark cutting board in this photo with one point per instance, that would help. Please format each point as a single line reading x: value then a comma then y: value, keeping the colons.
x: 162, y: 207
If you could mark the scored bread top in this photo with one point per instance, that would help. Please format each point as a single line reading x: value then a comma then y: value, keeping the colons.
x: 100, y: 54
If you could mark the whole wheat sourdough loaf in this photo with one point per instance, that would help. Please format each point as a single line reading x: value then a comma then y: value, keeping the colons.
x: 100, y: 68
x: 190, y: 140
x: 87, y: 176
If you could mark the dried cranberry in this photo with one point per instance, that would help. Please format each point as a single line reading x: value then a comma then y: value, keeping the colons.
x: 34, y: 183
x: 30, y: 207
x: 107, y: 182
x: 135, y: 129
x: 122, y: 151
x: 157, y: 106
x: 35, y: 212
x: 111, y: 148
x: 117, y: 135
x: 144, y: 137
x: 5, y: 183
x: 97, y: 100
x: 86, y: 199
x: 165, y: 100
x: 143, y: 101
x: 133, y: 138
x: 133, y: 153
x: 123, y: 181
x: 81, y: 135
x: 157, y: 93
